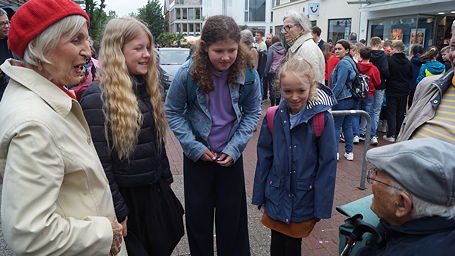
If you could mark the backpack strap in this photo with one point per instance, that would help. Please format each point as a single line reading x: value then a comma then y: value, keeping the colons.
x: 318, y: 124
x: 270, y: 114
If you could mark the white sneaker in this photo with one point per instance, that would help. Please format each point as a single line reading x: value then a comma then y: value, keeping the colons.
x: 374, y: 141
x: 349, y: 156
x: 356, y: 140
x: 338, y: 156
x: 390, y: 139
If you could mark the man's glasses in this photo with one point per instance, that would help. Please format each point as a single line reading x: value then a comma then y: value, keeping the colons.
x: 287, y: 28
x: 4, y: 23
x: 371, y: 176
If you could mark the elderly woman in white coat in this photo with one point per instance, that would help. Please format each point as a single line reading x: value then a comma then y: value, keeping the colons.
x: 56, y: 198
x: 296, y: 30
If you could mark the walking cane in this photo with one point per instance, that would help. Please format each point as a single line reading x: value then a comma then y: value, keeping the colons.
x: 360, y: 228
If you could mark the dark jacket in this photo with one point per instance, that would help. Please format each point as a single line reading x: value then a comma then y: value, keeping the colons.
x: 379, y: 59
x: 295, y: 171
x: 433, y: 236
x: 416, y: 63
x: 400, y: 75
x: 147, y: 164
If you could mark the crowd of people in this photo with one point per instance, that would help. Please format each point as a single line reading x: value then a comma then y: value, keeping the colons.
x: 82, y: 149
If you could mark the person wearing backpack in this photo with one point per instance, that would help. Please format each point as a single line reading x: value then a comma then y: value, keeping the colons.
x: 213, y: 107
x: 296, y: 167
x: 275, y: 55
x: 397, y: 90
x: 341, y: 83
x: 367, y: 68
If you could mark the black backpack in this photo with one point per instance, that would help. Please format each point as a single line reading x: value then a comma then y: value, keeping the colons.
x: 359, y: 88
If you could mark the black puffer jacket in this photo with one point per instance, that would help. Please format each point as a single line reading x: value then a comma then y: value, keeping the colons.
x: 147, y: 165
x: 400, y: 75
x: 379, y: 59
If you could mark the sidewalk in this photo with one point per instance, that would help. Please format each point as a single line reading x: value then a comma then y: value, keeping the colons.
x: 324, y: 238
x: 323, y: 241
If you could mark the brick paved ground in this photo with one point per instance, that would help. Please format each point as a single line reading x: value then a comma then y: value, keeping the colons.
x: 324, y: 238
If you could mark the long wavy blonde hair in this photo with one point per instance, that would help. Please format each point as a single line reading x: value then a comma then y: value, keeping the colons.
x: 120, y: 104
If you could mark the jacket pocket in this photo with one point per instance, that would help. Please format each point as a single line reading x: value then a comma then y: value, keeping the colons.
x: 273, y: 191
x: 304, y: 198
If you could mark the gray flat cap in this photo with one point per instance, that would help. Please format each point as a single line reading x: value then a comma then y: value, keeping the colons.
x: 425, y: 167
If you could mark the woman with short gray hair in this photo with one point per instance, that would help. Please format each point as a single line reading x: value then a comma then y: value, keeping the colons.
x: 56, y: 199
x: 247, y: 38
x: 296, y: 30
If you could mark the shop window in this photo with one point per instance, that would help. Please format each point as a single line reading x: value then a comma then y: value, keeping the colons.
x: 409, y: 29
x: 339, y: 29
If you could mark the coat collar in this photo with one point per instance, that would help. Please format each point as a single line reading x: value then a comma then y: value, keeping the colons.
x: 49, y: 92
x: 442, y: 84
x: 302, y: 39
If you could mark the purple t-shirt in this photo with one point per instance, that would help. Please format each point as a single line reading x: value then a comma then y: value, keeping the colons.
x: 221, y: 110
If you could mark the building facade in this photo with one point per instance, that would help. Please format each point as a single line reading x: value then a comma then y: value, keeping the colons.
x: 187, y: 16
x: 426, y: 22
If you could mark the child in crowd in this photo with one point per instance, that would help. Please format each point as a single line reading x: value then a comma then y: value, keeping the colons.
x: 213, y: 106
x: 366, y: 68
x: 431, y: 67
x: 125, y: 113
x: 295, y: 172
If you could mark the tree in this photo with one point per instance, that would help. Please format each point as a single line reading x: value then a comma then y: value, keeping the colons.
x: 98, y: 17
x: 169, y: 39
x: 151, y: 14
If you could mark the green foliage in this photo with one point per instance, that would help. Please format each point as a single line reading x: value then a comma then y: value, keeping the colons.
x: 243, y: 27
x: 98, y: 17
x: 168, y: 39
x: 151, y: 14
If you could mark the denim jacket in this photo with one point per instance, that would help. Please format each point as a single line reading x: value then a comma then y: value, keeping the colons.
x: 342, y: 77
x: 192, y: 126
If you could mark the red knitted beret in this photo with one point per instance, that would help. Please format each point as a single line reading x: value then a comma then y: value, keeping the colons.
x: 34, y: 17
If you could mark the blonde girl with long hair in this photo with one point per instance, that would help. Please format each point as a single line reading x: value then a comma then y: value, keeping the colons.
x: 126, y: 117
x: 207, y: 112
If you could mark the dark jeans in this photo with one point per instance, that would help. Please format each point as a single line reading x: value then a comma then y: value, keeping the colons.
x: 283, y: 245
x: 265, y: 87
x: 396, y: 108
x: 411, y: 97
x: 213, y: 192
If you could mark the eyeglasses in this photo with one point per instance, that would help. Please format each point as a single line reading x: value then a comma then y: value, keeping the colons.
x: 287, y: 28
x: 371, y: 176
x: 4, y: 23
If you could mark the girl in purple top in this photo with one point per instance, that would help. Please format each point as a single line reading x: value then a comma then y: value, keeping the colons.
x: 213, y: 126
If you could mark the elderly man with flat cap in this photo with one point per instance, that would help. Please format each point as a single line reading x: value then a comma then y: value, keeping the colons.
x: 413, y: 185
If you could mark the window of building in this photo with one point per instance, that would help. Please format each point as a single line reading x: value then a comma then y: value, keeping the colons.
x: 179, y: 28
x: 185, y: 28
x: 198, y: 13
x: 339, y: 29
x: 191, y: 28
x: 191, y: 14
x: 184, y: 13
x: 254, y: 10
x: 178, y: 15
x: 198, y: 28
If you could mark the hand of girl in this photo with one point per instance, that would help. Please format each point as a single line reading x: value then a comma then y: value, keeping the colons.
x: 117, y: 230
x: 225, y: 160
x: 123, y: 223
x: 208, y: 156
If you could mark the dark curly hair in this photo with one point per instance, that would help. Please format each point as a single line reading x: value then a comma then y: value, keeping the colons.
x: 218, y: 28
